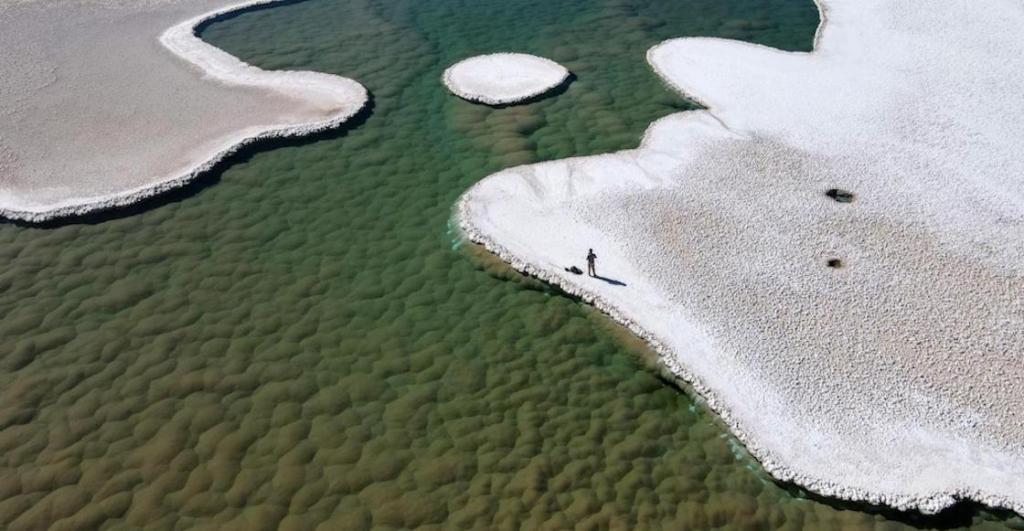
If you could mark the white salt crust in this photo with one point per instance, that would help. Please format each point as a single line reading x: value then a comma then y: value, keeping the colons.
x: 503, y: 78
x: 894, y: 380
x: 256, y: 105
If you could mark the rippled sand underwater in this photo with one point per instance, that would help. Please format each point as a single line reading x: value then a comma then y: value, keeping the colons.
x: 301, y: 341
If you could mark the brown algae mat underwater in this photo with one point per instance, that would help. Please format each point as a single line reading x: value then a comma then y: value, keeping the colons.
x: 299, y: 341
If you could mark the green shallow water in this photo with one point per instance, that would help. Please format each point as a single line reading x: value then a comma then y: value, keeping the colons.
x: 303, y: 342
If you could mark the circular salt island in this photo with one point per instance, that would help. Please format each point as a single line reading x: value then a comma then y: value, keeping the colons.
x: 503, y: 78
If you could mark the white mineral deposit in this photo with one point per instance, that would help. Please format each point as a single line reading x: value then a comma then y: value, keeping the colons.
x: 106, y: 102
x: 503, y: 78
x: 832, y: 253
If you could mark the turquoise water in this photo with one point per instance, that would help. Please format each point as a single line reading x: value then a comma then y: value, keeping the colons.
x: 302, y: 341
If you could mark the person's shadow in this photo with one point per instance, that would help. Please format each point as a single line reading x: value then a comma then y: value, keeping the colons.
x: 611, y: 281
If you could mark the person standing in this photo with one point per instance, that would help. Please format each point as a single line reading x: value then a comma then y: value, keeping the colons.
x: 591, y: 258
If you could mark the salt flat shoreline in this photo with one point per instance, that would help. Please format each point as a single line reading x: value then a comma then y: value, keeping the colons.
x: 276, y: 104
x: 886, y: 408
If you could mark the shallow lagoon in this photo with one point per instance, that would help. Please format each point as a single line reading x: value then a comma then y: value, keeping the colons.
x: 301, y: 339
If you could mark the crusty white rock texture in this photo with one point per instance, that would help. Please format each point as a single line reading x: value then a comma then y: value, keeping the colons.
x: 103, y: 105
x: 897, y: 378
x: 503, y: 78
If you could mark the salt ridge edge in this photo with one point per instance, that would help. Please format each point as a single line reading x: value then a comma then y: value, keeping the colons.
x: 182, y: 40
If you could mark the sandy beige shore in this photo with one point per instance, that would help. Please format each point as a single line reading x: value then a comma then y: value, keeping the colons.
x: 107, y: 102
x: 870, y: 350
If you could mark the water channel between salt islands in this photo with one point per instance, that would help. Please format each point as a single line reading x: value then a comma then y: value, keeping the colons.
x: 300, y: 339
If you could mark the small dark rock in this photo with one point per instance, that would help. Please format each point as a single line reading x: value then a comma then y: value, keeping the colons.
x: 841, y: 196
